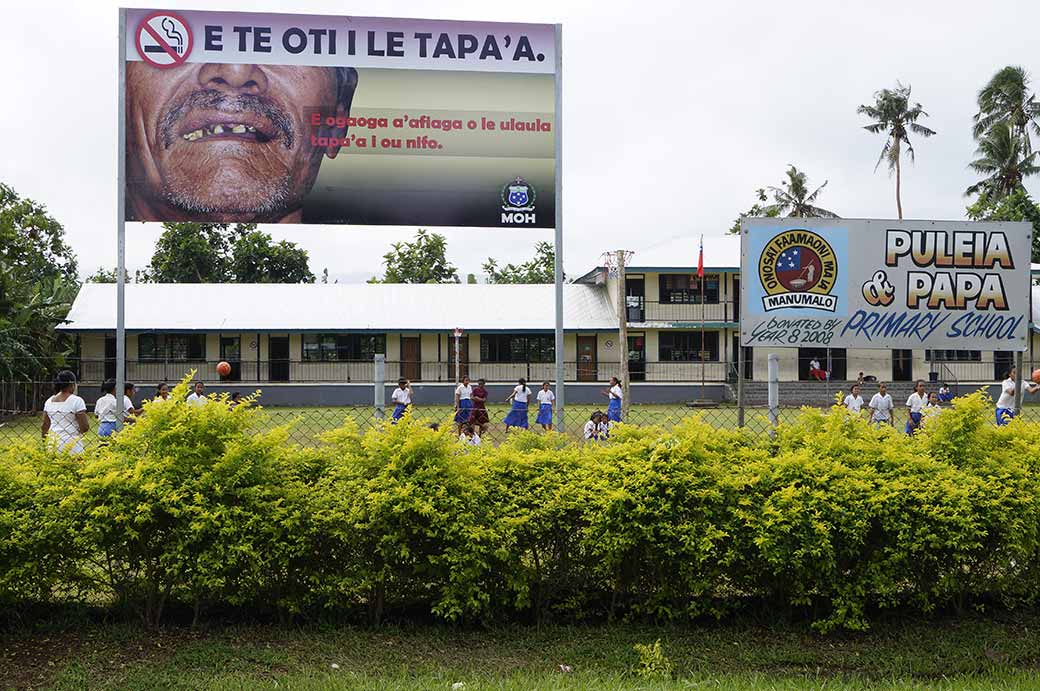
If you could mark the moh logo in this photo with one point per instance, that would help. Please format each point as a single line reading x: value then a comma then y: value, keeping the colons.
x: 518, y: 202
x: 798, y: 269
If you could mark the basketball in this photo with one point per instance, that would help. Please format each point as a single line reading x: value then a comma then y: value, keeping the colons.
x: 223, y: 368
x: 1036, y: 376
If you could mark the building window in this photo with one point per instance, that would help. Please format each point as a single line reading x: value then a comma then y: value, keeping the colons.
x: 685, y: 289
x: 231, y: 348
x: 174, y: 347
x: 953, y: 355
x: 342, y: 346
x: 685, y: 346
x: 517, y: 348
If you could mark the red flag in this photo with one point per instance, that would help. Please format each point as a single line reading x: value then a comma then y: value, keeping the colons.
x: 700, y: 260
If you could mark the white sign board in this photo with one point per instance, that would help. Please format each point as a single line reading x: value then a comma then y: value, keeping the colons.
x: 855, y: 283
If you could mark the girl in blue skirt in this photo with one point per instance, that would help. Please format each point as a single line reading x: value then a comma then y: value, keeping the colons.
x: 105, y: 409
x: 402, y: 398
x: 546, y: 407
x: 463, y: 404
x: 615, y: 394
x: 517, y: 416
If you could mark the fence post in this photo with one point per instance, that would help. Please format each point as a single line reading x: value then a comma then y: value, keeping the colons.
x: 1020, y: 379
x: 740, y: 386
x: 380, y: 386
x: 774, y: 391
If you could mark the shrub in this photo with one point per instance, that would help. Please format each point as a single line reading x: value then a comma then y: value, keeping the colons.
x: 213, y: 506
x: 404, y: 512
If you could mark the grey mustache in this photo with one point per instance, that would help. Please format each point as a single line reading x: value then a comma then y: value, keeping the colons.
x: 211, y: 99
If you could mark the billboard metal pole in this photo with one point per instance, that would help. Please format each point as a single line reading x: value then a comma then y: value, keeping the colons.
x: 558, y: 235
x: 121, y: 224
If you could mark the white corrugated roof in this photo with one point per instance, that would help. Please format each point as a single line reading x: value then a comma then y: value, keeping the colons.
x: 313, y: 307
x: 720, y: 252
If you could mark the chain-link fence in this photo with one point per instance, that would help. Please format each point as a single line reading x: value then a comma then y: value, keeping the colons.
x: 309, y: 423
x: 661, y: 395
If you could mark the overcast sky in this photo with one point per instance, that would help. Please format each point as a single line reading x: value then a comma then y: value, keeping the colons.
x: 674, y: 113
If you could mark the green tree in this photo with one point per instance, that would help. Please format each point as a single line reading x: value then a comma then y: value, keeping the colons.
x: 424, y: 260
x: 37, y: 285
x: 540, y: 269
x: 255, y: 258
x: 224, y: 253
x: 103, y: 275
x: 1015, y: 206
x: 895, y: 116
x: 194, y: 253
x: 793, y: 198
x: 32, y: 242
x: 1006, y: 99
x: 760, y: 209
x: 1005, y: 161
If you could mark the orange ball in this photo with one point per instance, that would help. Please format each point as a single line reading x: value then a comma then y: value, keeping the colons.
x: 223, y: 368
x: 1036, y: 376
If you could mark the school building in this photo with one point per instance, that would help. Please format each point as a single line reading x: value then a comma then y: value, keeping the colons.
x: 316, y: 341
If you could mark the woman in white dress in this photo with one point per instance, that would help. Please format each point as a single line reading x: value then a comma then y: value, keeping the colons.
x: 65, y: 415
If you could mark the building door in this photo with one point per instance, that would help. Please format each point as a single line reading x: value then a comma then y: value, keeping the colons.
x: 1003, y: 360
x: 735, y: 301
x: 635, y: 298
x: 463, y: 356
x: 110, y: 357
x: 587, y: 358
x: 902, y: 365
x: 411, y: 368
x: 838, y: 367
x: 231, y: 353
x: 637, y: 357
x: 278, y: 358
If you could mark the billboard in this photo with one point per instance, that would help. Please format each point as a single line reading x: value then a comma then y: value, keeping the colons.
x: 854, y: 283
x: 338, y: 120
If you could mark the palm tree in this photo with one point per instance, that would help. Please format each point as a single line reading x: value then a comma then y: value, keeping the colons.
x: 1004, y: 160
x: 792, y: 198
x: 895, y: 115
x: 1006, y: 98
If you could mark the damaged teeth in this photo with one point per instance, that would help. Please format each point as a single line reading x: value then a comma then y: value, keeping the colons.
x: 234, y: 128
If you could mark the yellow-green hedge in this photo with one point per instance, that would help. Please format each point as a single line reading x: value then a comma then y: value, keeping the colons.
x: 832, y: 518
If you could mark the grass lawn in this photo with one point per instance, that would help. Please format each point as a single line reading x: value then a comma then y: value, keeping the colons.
x: 968, y: 653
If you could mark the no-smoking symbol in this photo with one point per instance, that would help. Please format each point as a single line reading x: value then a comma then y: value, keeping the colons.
x: 163, y: 39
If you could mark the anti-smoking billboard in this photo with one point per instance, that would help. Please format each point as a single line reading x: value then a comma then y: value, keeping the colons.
x: 240, y: 117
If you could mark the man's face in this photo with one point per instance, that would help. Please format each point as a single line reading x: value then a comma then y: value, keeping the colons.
x: 882, y: 389
x: 199, y: 388
x: 222, y: 142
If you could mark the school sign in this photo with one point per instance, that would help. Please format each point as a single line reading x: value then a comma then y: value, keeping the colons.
x: 865, y: 283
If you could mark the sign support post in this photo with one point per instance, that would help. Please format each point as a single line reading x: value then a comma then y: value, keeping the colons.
x: 458, y: 365
x: 561, y: 373
x: 121, y: 225
x: 1020, y: 380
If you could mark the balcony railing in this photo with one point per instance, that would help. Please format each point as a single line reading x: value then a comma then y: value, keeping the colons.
x: 643, y: 311
x: 150, y: 372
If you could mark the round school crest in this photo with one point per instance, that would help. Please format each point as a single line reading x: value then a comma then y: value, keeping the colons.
x: 798, y: 269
